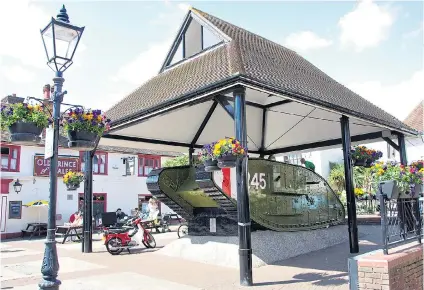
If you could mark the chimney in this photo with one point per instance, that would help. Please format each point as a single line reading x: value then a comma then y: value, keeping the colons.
x: 12, y: 99
x: 46, y: 93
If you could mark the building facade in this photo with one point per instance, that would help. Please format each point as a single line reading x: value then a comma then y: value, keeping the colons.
x: 119, y: 181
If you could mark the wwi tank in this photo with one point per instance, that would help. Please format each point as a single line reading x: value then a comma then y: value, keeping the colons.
x: 283, y: 197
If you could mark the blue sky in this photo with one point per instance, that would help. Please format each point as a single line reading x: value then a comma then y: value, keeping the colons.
x: 374, y: 48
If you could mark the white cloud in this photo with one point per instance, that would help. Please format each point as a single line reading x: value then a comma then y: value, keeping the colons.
x: 148, y: 62
x: 397, y: 99
x: 306, y: 40
x: 366, y: 26
x: 145, y: 65
x: 17, y: 74
x: 20, y: 24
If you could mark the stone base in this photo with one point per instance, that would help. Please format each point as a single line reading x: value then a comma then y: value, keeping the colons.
x: 268, y: 246
x: 212, y: 222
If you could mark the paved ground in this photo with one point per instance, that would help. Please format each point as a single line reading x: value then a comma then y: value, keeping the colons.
x: 145, y: 269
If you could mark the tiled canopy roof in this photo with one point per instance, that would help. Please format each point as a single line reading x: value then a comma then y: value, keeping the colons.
x: 256, y: 58
x: 415, y: 119
x: 63, y: 142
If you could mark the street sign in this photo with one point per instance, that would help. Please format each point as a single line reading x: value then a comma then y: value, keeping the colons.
x: 48, y: 146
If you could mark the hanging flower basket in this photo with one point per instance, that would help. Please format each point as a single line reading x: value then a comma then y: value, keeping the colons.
x: 359, y: 162
x: 73, y: 179
x: 363, y: 156
x: 82, y: 140
x: 227, y: 151
x: 72, y: 186
x: 209, y: 161
x: 399, y: 181
x: 84, y: 127
x: 25, y: 122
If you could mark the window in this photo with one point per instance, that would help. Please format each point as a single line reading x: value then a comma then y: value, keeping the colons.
x: 195, y: 39
x: 99, y: 162
x: 129, y: 163
x: 293, y: 159
x: 147, y: 163
x: 10, y: 156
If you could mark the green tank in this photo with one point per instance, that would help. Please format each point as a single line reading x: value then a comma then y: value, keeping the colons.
x: 283, y: 197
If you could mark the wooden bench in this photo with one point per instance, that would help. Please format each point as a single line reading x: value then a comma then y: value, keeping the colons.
x: 68, y: 231
x: 35, y: 228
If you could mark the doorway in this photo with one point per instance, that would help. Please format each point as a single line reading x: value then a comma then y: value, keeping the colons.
x: 99, y: 205
x: 143, y: 203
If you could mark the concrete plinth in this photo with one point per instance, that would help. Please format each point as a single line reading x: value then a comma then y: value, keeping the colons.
x: 268, y: 246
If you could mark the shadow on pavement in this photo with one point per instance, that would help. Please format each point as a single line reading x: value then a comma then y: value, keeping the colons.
x: 319, y: 279
x: 334, y: 258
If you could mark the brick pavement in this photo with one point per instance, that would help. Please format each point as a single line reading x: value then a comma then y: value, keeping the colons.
x: 145, y: 269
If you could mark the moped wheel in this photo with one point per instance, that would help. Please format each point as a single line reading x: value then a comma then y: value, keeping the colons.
x: 182, y: 231
x: 114, y: 246
x: 149, y: 241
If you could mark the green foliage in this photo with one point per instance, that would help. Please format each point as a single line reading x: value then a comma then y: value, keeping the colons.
x: 362, y: 178
x: 337, y: 177
x: 182, y: 160
x: 13, y: 113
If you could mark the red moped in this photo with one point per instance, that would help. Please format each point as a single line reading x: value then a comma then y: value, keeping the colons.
x: 118, y: 240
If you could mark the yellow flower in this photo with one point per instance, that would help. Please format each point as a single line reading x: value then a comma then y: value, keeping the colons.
x: 29, y: 107
x: 90, y: 117
x: 99, y: 118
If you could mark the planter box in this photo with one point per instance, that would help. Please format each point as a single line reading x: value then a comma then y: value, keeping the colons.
x: 72, y: 186
x: 25, y: 133
x: 82, y: 140
x: 211, y: 165
x: 360, y: 162
x: 227, y: 161
x: 390, y: 189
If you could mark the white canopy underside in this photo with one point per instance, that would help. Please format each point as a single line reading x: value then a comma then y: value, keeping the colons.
x: 287, y: 125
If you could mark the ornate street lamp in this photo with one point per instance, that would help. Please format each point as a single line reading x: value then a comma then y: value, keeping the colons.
x: 17, y: 186
x: 60, y: 40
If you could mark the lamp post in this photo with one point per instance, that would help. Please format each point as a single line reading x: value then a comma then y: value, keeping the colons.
x: 60, y: 40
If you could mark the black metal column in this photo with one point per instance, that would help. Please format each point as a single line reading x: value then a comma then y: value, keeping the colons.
x: 405, y: 209
x: 350, y: 195
x: 402, y: 150
x: 87, y: 245
x: 50, y: 266
x: 243, y: 211
x: 190, y: 156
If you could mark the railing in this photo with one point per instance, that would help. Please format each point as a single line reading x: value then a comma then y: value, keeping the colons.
x: 401, y: 221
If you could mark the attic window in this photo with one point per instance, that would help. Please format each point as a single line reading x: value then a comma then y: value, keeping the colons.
x: 194, y: 39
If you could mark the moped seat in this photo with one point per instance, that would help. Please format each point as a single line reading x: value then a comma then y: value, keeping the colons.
x: 118, y: 231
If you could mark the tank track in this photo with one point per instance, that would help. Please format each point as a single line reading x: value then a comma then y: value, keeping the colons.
x: 153, y: 186
x: 210, y: 188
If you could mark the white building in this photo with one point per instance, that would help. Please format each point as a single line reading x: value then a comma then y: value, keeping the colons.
x: 115, y: 184
x: 322, y: 159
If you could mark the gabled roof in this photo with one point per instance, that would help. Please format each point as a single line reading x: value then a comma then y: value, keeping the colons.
x: 249, y: 56
x: 415, y: 119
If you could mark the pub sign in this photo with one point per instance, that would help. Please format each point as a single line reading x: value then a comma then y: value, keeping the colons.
x: 64, y: 164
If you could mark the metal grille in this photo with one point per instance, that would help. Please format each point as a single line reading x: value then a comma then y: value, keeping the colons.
x: 401, y: 221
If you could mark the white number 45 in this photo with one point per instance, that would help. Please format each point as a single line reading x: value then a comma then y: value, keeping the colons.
x: 258, y: 180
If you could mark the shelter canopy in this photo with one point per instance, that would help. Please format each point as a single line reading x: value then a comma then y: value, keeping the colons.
x: 291, y: 104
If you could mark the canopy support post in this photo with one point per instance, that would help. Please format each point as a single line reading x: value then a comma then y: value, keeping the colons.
x: 190, y: 156
x: 243, y: 212
x: 350, y: 196
x: 87, y: 241
x: 88, y: 203
x: 402, y: 149
x: 262, y: 149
